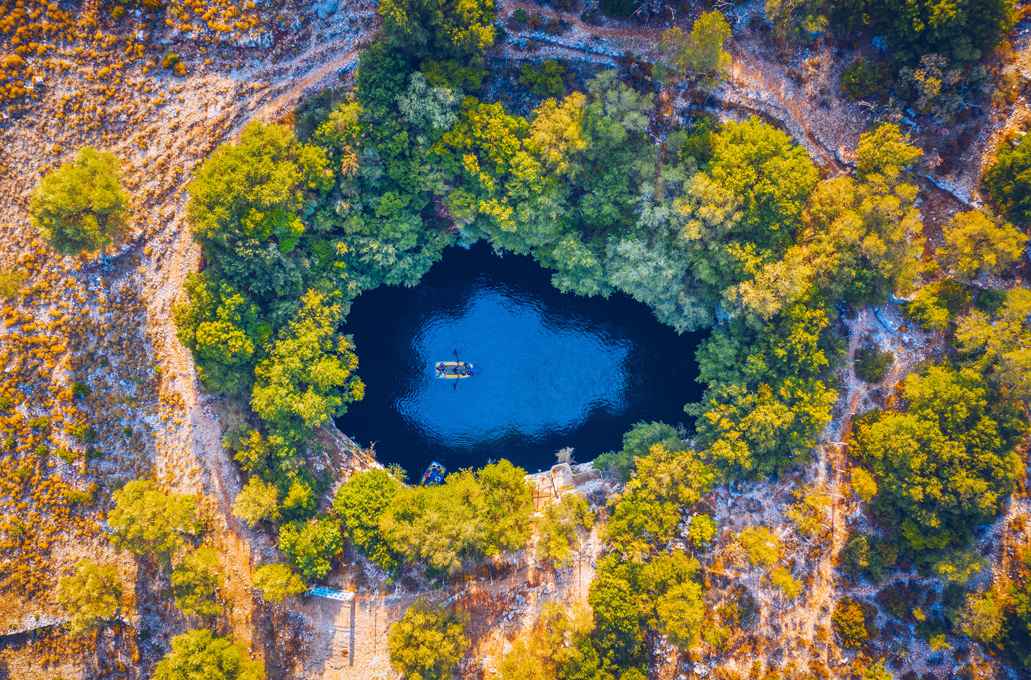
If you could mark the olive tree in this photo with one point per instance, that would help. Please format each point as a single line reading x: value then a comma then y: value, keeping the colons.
x: 427, y: 643
x: 201, y: 655
x: 81, y: 207
x: 148, y: 521
x: 91, y: 596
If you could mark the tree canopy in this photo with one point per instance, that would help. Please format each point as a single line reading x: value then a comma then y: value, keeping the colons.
x: 201, y: 655
x: 944, y: 465
x: 91, y: 596
x: 427, y: 643
x: 149, y: 522
x: 81, y: 207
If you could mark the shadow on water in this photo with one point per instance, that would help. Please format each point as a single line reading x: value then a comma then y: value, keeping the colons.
x: 558, y: 370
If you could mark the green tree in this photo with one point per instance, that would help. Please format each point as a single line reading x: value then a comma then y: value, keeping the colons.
x: 223, y: 330
x: 976, y: 244
x: 195, y: 581
x: 544, y: 79
x: 648, y: 512
x: 148, y: 521
x: 81, y: 207
x: 703, y: 529
x: 809, y: 511
x: 853, y: 622
x: 309, y: 375
x: 936, y: 305
x: 470, y: 516
x: 761, y: 545
x: 999, y: 345
x: 559, y: 529
x: 201, y: 655
x: 680, y: 612
x: 244, y: 201
x: 617, y: 619
x: 311, y: 545
x: 360, y: 503
x: 963, y: 31
x: 91, y: 597
x: 944, y: 465
x: 427, y: 643
x: 1008, y: 181
x: 434, y: 30
x: 782, y: 580
x: 864, y: 484
x: 700, y: 53
x: 982, y: 616
x: 277, y: 582
x: 876, y: 671
x: 885, y: 151
x: 257, y: 502
x: 801, y: 20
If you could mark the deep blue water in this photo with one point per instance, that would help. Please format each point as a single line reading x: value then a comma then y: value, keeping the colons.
x: 558, y: 370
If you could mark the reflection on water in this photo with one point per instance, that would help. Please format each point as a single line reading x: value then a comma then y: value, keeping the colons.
x: 557, y: 370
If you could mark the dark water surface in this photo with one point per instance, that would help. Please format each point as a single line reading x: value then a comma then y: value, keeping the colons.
x: 558, y: 370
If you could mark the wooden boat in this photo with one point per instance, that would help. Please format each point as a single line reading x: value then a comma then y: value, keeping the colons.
x: 434, y: 474
x: 456, y: 370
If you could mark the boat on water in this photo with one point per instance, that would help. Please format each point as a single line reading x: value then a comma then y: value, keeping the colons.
x: 434, y: 475
x: 456, y: 370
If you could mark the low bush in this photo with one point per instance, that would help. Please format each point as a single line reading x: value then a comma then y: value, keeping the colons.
x: 865, y: 79
x: 854, y: 622
x: 872, y: 364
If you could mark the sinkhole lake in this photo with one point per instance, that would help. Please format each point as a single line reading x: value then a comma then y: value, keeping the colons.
x: 558, y: 370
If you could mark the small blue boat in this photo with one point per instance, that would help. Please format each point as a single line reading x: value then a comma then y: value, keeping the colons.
x: 434, y: 475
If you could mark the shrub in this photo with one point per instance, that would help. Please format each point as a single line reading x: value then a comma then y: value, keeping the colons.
x: 872, y: 364
x: 81, y: 207
x: 42, y: 450
x: 39, y: 423
x: 865, y: 79
x: 82, y: 433
x: 67, y: 455
x: 200, y: 655
x: 781, y: 579
x: 90, y: 597
x: 520, y: 16
x: 544, y: 79
x: 170, y: 60
x: 276, y: 582
x: 1008, y: 181
x: 853, y: 622
x: 11, y: 282
x: 427, y: 643
x: 80, y: 389
x: 936, y: 305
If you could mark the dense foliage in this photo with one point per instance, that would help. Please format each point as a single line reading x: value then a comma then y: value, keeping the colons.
x: 201, y: 655
x: 91, y: 596
x: 427, y: 643
x: 81, y: 207
x: 946, y: 463
x: 151, y: 523
x: 471, y: 516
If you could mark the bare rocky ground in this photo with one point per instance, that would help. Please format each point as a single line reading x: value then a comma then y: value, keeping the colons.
x: 162, y: 126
